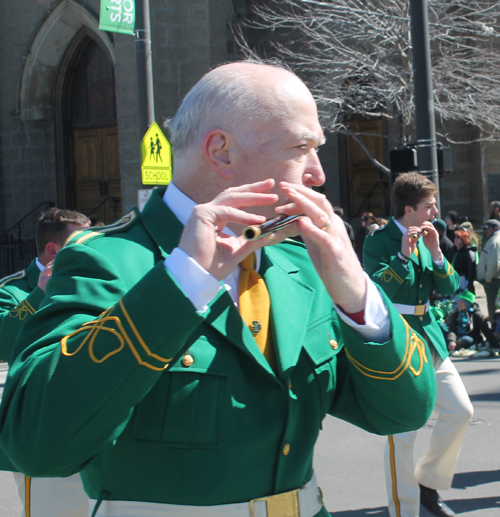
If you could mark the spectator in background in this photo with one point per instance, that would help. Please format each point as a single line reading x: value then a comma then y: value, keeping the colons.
x: 474, y: 237
x: 467, y: 327
x: 350, y: 232
x: 95, y: 222
x: 367, y: 218
x: 464, y: 261
x: 488, y: 269
x: 444, y: 243
x: 494, y: 210
x: 451, y: 220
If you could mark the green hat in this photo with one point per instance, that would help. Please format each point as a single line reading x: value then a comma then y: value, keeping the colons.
x: 438, y: 313
x: 439, y: 223
x: 468, y: 296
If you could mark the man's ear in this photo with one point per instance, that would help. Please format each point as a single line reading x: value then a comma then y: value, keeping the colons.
x: 52, y: 249
x: 408, y: 209
x: 217, y: 150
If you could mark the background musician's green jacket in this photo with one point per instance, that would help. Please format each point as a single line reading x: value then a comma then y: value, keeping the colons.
x: 20, y: 297
x: 119, y: 375
x: 410, y: 284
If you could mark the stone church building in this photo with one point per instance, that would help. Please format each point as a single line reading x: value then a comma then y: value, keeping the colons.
x: 68, y: 117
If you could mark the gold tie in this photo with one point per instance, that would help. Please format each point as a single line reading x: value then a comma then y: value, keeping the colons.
x: 255, y: 304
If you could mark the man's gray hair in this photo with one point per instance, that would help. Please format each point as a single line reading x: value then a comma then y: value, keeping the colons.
x: 218, y: 100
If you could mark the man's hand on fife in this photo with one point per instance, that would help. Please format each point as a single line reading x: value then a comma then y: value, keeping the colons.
x: 431, y: 240
x: 45, y: 275
x: 328, y: 245
x: 430, y: 237
x: 218, y: 252
x: 409, y: 241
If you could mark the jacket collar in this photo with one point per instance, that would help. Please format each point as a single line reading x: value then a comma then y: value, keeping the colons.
x: 288, y: 321
x: 161, y: 224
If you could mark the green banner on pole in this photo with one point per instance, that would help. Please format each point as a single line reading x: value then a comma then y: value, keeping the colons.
x: 117, y: 16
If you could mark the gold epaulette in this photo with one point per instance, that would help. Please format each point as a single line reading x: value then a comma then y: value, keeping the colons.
x: 84, y: 234
x: 10, y: 278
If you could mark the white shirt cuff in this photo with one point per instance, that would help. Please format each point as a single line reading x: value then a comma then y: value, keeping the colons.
x: 377, y: 327
x: 439, y: 263
x: 196, y: 282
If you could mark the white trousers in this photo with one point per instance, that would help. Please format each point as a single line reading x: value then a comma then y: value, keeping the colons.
x: 437, y: 466
x: 52, y: 497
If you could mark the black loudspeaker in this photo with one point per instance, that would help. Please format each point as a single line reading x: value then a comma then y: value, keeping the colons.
x: 445, y: 159
x: 403, y: 160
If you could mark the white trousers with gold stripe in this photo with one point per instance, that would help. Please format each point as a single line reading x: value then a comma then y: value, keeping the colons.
x: 437, y: 466
x: 52, y: 497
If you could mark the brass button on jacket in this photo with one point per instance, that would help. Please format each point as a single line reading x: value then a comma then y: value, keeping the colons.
x: 286, y: 449
x: 187, y: 360
x: 334, y: 344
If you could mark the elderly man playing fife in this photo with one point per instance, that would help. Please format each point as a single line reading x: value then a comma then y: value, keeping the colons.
x: 148, y: 370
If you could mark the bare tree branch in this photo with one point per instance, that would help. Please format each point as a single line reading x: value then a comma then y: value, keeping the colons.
x: 356, y: 56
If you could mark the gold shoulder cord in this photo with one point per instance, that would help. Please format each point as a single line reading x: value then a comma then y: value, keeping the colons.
x: 413, y: 343
x: 390, y: 274
x: 449, y: 272
x: 11, y: 278
x: 22, y: 310
x: 95, y: 326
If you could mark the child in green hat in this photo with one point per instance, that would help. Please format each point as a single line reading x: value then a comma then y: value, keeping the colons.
x: 468, y: 330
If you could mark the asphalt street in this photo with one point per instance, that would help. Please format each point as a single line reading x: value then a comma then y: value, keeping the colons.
x: 349, y: 461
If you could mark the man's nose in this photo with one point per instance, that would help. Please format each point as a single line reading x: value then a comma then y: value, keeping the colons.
x: 314, y: 176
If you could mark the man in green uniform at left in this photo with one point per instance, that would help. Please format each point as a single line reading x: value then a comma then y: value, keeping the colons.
x: 21, y: 293
x: 20, y: 297
x: 167, y: 391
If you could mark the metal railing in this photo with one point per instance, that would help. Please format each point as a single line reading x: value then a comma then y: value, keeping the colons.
x: 16, y: 251
x: 115, y: 200
x: 365, y: 204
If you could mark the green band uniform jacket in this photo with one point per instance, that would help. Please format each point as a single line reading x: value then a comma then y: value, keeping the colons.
x: 119, y: 376
x: 20, y: 297
x: 409, y: 284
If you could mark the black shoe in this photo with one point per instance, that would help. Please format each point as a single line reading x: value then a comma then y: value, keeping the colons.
x: 432, y: 502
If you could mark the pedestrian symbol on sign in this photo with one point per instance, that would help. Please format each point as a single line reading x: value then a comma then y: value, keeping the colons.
x: 158, y: 148
x: 156, y: 157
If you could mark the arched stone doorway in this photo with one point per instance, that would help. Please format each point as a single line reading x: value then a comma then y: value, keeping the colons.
x: 88, y: 116
x: 67, y: 45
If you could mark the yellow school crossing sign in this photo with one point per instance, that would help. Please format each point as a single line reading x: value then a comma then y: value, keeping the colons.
x: 156, y: 157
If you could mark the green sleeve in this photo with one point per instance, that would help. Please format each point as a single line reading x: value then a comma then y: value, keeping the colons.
x: 15, y: 309
x: 93, y: 330
x: 372, y: 377
x: 382, y: 268
x: 445, y: 278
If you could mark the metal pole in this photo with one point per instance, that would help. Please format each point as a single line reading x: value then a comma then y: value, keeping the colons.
x: 424, y: 104
x: 144, y: 66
